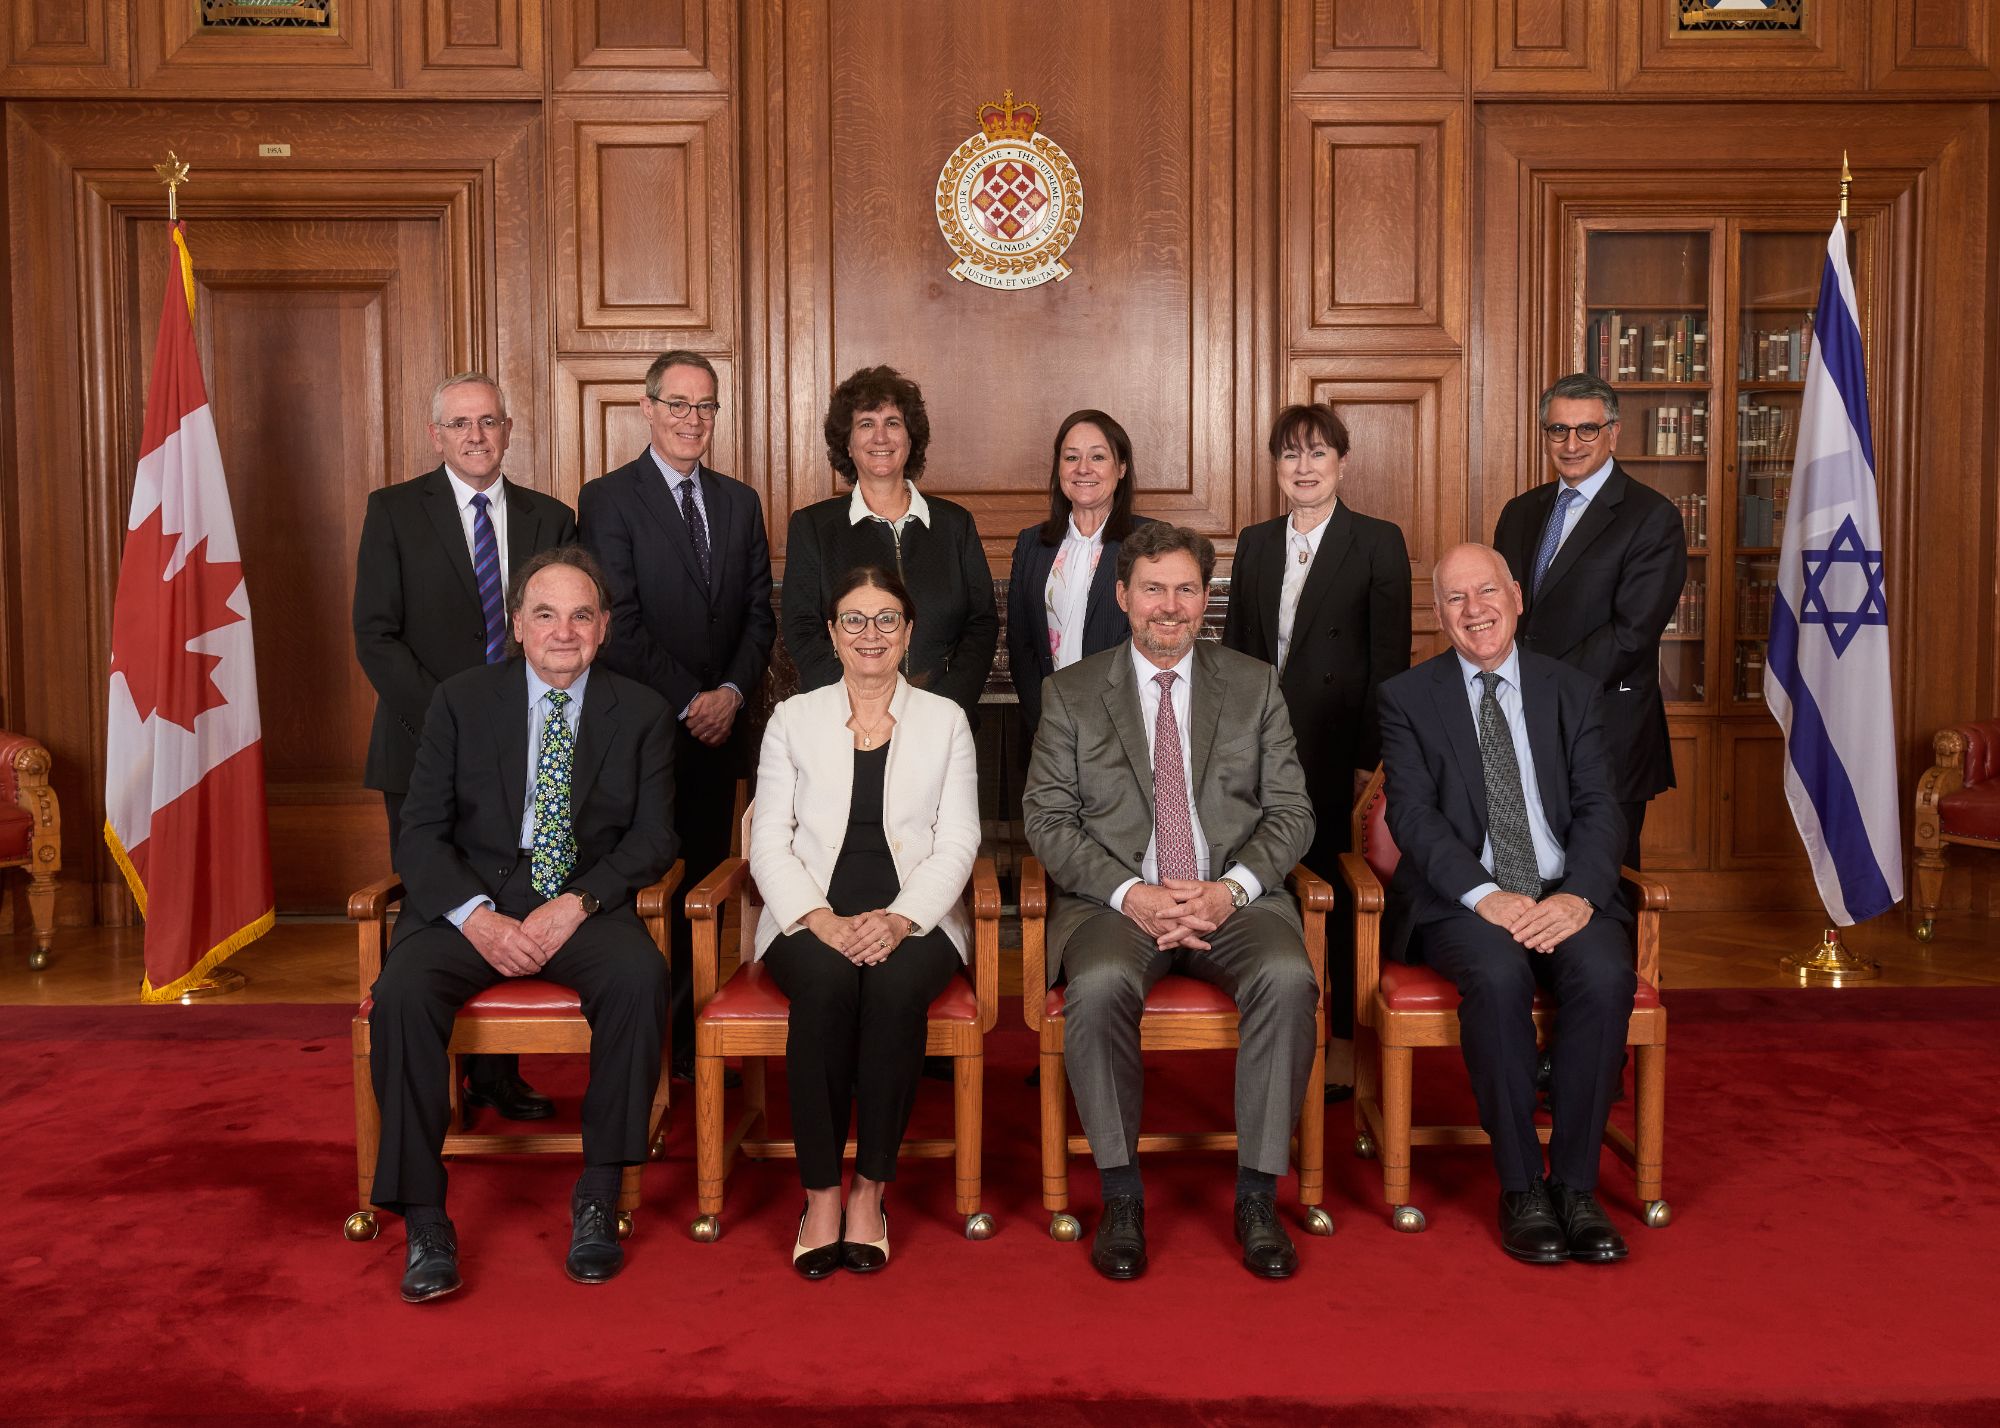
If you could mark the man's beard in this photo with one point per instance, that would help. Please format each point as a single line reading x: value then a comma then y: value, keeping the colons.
x: 1149, y: 644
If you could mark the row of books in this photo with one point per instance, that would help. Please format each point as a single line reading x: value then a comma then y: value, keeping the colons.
x: 1765, y: 434
x: 1750, y: 671
x: 1760, y: 509
x: 1775, y: 354
x: 1691, y: 613
x: 1754, y: 599
x: 1694, y: 518
x: 1668, y: 349
x: 1676, y: 431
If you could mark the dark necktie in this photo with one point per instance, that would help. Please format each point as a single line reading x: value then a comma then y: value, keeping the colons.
x: 486, y: 570
x: 1552, y: 535
x: 553, y: 852
x: 697, y: 529
x: 1514, y: 866
x: 1173, y: 829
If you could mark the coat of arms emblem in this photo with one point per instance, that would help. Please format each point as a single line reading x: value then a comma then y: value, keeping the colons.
x: 1009, y: 201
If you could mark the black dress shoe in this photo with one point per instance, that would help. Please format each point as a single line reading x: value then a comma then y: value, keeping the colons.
x: 1267, y: 1249
x: 821, y: 1260
x: 1336, y: 1093
x: 1528, y: 1228
x: 512, y: 1097
x: 431, y: 1269
x: 1586, y: 1228
x: 594, y: 1252
x: 1118, y: 1249
x: 683, y: 1072
x: 865, y: 1256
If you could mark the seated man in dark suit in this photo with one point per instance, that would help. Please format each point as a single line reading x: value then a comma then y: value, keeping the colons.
x: 540, y: 804
x: 1501, y: 801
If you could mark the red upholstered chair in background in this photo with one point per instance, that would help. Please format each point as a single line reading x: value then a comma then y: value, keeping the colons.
x: 1958, y: 801
x: 522, y: 1014
x: 1398, y: 1008
x: 31, y: 833
x: 748, y: 1016
x: 1181, y: 1014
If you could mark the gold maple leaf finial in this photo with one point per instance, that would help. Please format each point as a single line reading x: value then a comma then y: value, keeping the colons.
x: 173, y: 173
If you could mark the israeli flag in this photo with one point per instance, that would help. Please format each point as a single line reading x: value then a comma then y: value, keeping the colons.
x: 1826, y: 676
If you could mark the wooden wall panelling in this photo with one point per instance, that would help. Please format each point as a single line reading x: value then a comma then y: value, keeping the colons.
x: 1541, y: 47
x: 1677, y: 830
x: 1376, y: 239
x: 1824, y: 56
x: 176, y: 56
x: 472, y: 47
x: 1934, y: 46
x: 645, y: 197
x: 599, y: 427
x: 78, y: 45
x: 643, y: 45
x: 1376, y: 46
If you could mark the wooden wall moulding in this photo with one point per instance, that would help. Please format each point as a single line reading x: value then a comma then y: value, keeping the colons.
x: 645, y: 193
x: 1677, y: 833
x: 1753, y: 829
x: 1376, y: 46
x: 79, y: 44
x: 599, y: 427
x: 176, y: 53
x: 1541, y: 47
x: 1375, y: 224
x: 1823, y: 56
x: 1935, y: 46
x: 472, y: 47
x: 643, y: 45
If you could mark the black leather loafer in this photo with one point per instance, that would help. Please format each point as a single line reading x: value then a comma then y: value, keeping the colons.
x: 1118, y: 1249
x: 594, y: 1252
x: 1528, y: 1228
x: 512, y: 1097
x: 1586, y: 1229
x: 1267, y: 1249
x: 431, y: 1269
x: 820, y: 1260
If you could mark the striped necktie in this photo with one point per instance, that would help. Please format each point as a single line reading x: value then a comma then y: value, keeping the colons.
x: 1173, y: 828
x: 486, y: 570
x: 1514, y: 865
x: 1552, y: 535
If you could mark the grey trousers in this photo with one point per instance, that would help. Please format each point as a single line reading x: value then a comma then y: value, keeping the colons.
x: 1258, y: 957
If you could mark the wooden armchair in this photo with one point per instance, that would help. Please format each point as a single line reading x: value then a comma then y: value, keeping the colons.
x: 1399, y: 1007
x: 1181, y: 1014
x: 1958, y: 801
x: 31, y: 833
x: 521, y: 1014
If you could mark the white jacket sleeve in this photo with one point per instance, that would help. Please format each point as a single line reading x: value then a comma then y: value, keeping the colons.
x: 935, y: 884
x: 788, y: 888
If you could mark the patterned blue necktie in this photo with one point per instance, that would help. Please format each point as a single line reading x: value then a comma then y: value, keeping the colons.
x: 697, y: 529
x: 553, y: 852
x: 1552, y: 535
x: 486, y: 570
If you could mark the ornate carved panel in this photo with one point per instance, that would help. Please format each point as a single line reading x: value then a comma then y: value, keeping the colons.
x: 1676, y: 834
x: 82, y: 44
x: 651, y: 45
x: 1541, y: 47
x: 1935, y: 45
x: 1377, y: 46
x: 175, y: 53
x: 1822, y: 56
x: 472, y: 46
x: 599, y: 428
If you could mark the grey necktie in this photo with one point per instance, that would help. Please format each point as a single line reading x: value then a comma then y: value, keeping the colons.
x: 1514, y: 866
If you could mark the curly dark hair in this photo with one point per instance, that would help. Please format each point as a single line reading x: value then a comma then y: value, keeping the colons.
x: 868, y: 389
x: 1118, y: 524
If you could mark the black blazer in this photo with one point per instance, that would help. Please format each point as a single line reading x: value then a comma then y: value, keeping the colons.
x: 1607, y: 596
x: 1028, y: 657
x: 669, y: 630
x: 417, y: 618
x: 462, y: 820
x: 1436, y: 788
x: 958, y: 627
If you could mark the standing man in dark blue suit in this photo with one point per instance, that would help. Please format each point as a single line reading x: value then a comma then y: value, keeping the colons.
x: 689, y: 570
x: 430, y: 582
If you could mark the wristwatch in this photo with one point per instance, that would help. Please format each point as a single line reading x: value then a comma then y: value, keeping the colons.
x: 1238, y: 898
x: 588, y: 899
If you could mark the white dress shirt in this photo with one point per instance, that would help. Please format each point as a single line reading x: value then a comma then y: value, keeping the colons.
x: 1548, y: 852
x: 1587, y: 488
x: 1301, y: 550
x: 1066, y: 598
x: 496, y: 512
x: 919, y: 510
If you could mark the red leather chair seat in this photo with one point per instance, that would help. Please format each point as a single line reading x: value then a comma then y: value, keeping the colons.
x: 1971, y: 812
x: 1408, y: 988
x: 752, y: 995
x: 17, y: 829
x: 517, y: 996
x: 1172, y: 995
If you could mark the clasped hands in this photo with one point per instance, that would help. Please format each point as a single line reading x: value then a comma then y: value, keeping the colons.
x: 864, y: 939
x: 711, y: 713
x: 521, y: 948
x: 1178, y: 912
x: 1539, y: 926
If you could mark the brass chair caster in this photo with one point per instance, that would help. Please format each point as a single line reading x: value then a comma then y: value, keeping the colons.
x: 1065, y: 1228
x: 1364, y: 1146
x: 361, y: 1225
x: 38, y: 960
x: 1318, y: 1222
x: 706, y: 1228
x: 979, y: 1226
x: 1408, y: 1219
x: 624, y: 1224
x: 1925, y: 932
x: 1659, y: 1214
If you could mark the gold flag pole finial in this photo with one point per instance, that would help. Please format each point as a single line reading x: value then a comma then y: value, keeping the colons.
x: 1846, y: 178
x: 173, y: 173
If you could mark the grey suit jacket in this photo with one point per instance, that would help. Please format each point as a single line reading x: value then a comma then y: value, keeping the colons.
x: 1089, y: 796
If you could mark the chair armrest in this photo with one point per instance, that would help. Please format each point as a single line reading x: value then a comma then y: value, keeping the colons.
x: 704, y: 914
x: 1650, y: 899
x: 23, y: 762
x: 1365, y: 896
x: 654, y: 902
x: 1315, y: 895
x: 984, y: 894
x: 368, y: 909
x: 1034, y: 898
x: 371, y: 904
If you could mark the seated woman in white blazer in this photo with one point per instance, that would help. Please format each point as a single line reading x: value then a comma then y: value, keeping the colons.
x: 863, y: 839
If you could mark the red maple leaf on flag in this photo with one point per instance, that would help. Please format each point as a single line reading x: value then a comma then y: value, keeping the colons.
x: 155, y: 620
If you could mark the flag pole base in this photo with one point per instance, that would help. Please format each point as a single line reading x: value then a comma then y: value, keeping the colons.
x: 219, y: 983
x: 1830, y: 961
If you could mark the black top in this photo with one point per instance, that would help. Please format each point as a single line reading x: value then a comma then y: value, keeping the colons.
x: 864, y: 877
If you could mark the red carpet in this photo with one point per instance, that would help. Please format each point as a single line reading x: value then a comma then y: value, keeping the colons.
x: 178, y: 1176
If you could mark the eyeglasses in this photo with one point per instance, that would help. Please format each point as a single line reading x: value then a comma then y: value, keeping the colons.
x: 459, y: 426
x: 676, y: 408
x: 1585, y: 430
x: 853, y: 622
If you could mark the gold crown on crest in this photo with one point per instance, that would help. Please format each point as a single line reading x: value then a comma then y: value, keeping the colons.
x: 1008, y: 120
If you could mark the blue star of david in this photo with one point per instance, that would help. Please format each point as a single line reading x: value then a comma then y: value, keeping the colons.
x: 1843, y: 625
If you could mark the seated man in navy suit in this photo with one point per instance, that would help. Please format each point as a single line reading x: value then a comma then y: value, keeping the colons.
x: 1501, y: 801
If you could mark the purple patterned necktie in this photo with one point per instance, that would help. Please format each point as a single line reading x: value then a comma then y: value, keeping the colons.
x: 697, y: 531
x: 486, y: 570
x: 1173, y: 830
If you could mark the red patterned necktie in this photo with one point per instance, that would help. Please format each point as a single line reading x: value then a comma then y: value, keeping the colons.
x: 1173, y: 831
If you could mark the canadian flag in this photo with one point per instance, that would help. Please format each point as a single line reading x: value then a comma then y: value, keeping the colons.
x: 184, y: 763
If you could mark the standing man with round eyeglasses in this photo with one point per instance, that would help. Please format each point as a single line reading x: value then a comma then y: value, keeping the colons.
x: 1602, y: 560
x: 689, y: 572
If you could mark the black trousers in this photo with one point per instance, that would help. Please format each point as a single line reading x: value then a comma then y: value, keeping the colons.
x: 433, y: 970
x: 1591, y: 978
x: 704, y: 805
x: 856, y: 1041
x: 1635, y: 819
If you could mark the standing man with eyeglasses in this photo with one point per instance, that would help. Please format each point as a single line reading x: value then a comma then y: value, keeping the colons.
x: 689, y: 573
x: 430, y: 582
x: 1602, y: 560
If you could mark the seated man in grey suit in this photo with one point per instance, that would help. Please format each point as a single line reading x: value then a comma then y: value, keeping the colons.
x: 1502, y: 802
x: 1175, y: 861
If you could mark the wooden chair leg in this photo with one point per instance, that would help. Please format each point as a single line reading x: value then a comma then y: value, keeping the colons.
x: 968, y: 1107
x: 461, y: 1113
x: 1929, y: 869
x: 1312, y: 1134
x: 42, y: 910
x: 628, y: 1196
x: 363, y: 1224
x: 709, y: 1132
x: 1396, y: 1077
x: 1055, y: 1133
x: 1367, y: 1085
x: 1649, y: 1090
x: 755, y: 1096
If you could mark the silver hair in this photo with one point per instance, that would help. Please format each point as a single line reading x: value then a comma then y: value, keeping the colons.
x: 463, y: 379
x: 1581, y: 387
